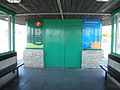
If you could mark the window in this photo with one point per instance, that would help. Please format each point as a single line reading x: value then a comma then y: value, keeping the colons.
x: 116, y: 43
x: 5, y: 33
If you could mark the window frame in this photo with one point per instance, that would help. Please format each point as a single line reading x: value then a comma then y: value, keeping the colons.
x: 11, y: 30
x: 113, y: 46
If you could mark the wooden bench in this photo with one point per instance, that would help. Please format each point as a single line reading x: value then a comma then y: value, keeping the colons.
x: 19, y: 65
x: 105, y: 69
x: 112, y: 72
x: 9, y: 69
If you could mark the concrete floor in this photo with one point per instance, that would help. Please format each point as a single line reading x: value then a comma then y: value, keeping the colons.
x: 61, y: 79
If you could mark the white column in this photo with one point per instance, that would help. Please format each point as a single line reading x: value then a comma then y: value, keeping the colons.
x: 117, y: 33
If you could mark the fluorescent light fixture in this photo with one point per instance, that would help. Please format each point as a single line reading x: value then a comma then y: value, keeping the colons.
x: 14, y: 1
x: 102, y: 0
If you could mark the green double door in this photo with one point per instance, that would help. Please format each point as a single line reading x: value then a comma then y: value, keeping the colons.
x: 62, y: 43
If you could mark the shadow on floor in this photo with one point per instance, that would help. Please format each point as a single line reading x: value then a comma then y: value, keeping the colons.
x: 61, y: 79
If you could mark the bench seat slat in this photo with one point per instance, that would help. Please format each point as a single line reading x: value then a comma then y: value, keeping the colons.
x: 104, y: 68
x: 111, y: 71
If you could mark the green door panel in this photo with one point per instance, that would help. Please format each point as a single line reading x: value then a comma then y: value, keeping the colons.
x: 54, y: 46
x: 72, y: 46
x: 62, y: 43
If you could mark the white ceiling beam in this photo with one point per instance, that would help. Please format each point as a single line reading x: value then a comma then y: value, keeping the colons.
x: 60, y: 8
x: 24, y: 7
x: 108, y: 5
x: 30, y: 14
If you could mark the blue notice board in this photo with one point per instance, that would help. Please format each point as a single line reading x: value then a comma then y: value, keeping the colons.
x: 91, y: 33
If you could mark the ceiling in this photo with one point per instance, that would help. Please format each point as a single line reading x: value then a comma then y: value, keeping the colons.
x: 27, y: 9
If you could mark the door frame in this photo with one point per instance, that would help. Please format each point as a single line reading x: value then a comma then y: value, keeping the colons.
x: 79, y: 21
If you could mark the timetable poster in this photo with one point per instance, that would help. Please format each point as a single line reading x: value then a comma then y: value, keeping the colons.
x: 91, y: 33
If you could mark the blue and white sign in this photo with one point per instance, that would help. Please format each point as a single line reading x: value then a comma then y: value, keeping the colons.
x: 91, y: 33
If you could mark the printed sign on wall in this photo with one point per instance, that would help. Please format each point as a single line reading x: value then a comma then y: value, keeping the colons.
x: 35, y: 34
x: 91, y: 34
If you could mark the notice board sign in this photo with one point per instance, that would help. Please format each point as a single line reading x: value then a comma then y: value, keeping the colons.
x: 91, y: 34
x: 35, y: 33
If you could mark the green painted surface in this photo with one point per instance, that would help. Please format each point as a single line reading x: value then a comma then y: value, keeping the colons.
x: 112, y: 32
x: 116, y: 12
x: 112, y: 36
x: 54, y: 46
x: 35, y: 48
x: 12, y: 14
x: 116, y: 54
x: 72, y: 46
x: 13, y: 33
x: 6, y: 52
x: 30, y: 45
x: 92, y: 49
x: 8, y: 12
x: 62, y: 43
x: 34, y: 34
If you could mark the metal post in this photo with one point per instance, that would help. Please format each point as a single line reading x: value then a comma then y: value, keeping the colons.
x: 60, y: 8
x: 9, y: 33
x: 13, y: 32
x: 30, y: 14
x: 117, y: 33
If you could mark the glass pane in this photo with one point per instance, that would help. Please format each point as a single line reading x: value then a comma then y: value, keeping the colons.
x: 118, y: 38
x: 114, y: 43
x: 4, y: 33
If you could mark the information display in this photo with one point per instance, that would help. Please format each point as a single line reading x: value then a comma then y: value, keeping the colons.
x: 34, y: 34
x: 91, y: 33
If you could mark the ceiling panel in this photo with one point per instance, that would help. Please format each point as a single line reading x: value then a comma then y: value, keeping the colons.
x: 51, y: 6
x: 22, y: 19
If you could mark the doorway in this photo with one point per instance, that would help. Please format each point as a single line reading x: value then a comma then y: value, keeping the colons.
x: 62, y: 43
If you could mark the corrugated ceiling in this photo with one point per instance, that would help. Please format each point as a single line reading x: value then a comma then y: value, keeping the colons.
x: 68, y: 6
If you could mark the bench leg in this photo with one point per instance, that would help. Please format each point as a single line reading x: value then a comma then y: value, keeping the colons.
x: 105, y: 75
x: 17, y: 73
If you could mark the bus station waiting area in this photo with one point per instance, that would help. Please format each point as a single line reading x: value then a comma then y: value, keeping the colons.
x: 63, y: 48
x: 61, y: 79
